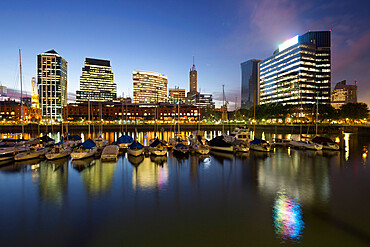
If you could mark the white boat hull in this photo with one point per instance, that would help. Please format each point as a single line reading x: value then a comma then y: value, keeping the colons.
x: 223, y: 149
x: 84, y: 155
x: 158, y: 152
x: 110, y: 152
x: 54, y: 156
x: 201, y: 149
x: 260, y: 148
x: 28, y: 156
x: 135, y: 152
x: 310, y: 146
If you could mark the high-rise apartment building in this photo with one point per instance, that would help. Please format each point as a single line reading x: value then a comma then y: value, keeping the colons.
x: 52, y: 84
x: 149, y: 87
x: 96, y: 82
x: 343, y: 94
x: 250, y: 83
x: 299, y: 71
x: 176, y: 95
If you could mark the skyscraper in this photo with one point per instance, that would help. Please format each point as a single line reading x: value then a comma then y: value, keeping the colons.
x: 250, y: 83
x: 52, y: 84
x: 149, y: 87
x: 299, y: 71
x: 96, y: 82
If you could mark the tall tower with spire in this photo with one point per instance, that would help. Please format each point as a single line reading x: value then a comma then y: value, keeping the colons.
x: 193, y: 79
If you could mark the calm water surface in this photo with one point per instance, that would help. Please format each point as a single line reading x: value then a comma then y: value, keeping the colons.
x: 287, y: 197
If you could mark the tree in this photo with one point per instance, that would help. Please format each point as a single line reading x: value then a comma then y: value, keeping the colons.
x: 354, y: 111
x: 327, y: 112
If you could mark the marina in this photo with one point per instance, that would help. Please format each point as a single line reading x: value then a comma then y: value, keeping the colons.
x: 244, y: 197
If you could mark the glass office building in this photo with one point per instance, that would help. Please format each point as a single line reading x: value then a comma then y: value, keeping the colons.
x: 149, y: 87
x: 96, y: 82
x: 250, y: 83
x: 52, y: 84
x: 299, y: 71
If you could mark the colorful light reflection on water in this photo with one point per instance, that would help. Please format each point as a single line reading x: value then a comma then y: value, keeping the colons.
x: 288, y: 218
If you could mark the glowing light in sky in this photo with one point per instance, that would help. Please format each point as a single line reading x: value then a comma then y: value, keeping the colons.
x: 288, y: 218
x: 288, y: 43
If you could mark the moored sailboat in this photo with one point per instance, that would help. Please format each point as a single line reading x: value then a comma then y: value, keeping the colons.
x: 85, y: 150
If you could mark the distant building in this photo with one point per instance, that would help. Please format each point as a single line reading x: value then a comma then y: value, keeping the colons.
x: 140, y: 112
x: 149, y: 87
x: 52, y: 84
x: 201, y: 100
x: 176, y: 95
x: 96, y: 82
x: 343, y: 94
x: 250, y: 83
x: 3, y: 91
x: 12, y: 110
x: 298, y: 72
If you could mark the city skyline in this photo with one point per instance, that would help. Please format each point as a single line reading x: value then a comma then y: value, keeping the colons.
x: 221, y: 36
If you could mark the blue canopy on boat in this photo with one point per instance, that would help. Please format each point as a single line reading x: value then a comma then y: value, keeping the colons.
x: 258, y: 141
x: 61, y: 141
x: 136, y: 144
x: 125, y: 139
x: 88, y: 144
x: 156, y: 143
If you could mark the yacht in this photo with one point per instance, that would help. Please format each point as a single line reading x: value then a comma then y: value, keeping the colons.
x: 180, y: 148
x: 260, y: 145
x: 158, y: 148
x: 110, y: 152
x: 32, y: 152
x: 58, y: 152
x: 135, y: 149
x: 124, y: 141
x: 326, y: 143
x: 220, y: 144
x: 306, y: 145
x: 85, y: 150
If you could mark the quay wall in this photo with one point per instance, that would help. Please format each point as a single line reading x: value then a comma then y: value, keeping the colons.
x: 281, y: 129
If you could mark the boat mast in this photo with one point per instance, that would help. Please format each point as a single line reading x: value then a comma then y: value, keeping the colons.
x: 254, y: 114
x: 88, y: 111
x: 317, y: 108
x: 20, y: 76
x: 223, y: 108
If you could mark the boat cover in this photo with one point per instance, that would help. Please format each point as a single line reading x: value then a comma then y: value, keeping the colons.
x: 258, y: 141
x: 46, y: 139
x: 180, y: 145
x: 156, y: 143
x: 322, y: 140
x: 136, y: 145
x: 125, y: 139
x: 61, y: 141
x: 88, y: 144
x: 219, y: 141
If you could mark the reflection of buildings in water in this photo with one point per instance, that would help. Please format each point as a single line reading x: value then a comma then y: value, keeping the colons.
x: 287, y: 218
x: 98, y: 178
x: 304, y: 176
x: 148, y: 176
x: 53, y: 180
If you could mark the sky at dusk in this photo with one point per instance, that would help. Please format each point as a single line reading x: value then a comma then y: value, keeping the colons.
x: 162, y: 36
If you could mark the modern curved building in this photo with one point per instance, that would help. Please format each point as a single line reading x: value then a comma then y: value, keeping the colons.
x: 149, y: 87
x: 299, y: 71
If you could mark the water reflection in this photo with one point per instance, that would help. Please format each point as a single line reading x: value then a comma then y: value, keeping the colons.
x: 288, y: 218
x: 54, y: 180
x: 149, y: 176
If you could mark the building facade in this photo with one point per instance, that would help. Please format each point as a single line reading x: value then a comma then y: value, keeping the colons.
x: 201, y: 100
x: 11, y: 110
x: 3, y: 91
x: 250, y: 83
x: 176, y: 95
x: 149, y: 87
x: 131, y: 112
x: 299, y: 71
x: 96, y: 82
x: 193, y: 80
x: 343, y: 94
x: 52, y: 84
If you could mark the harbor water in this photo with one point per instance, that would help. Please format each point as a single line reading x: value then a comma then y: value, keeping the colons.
x: 287, y: 197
